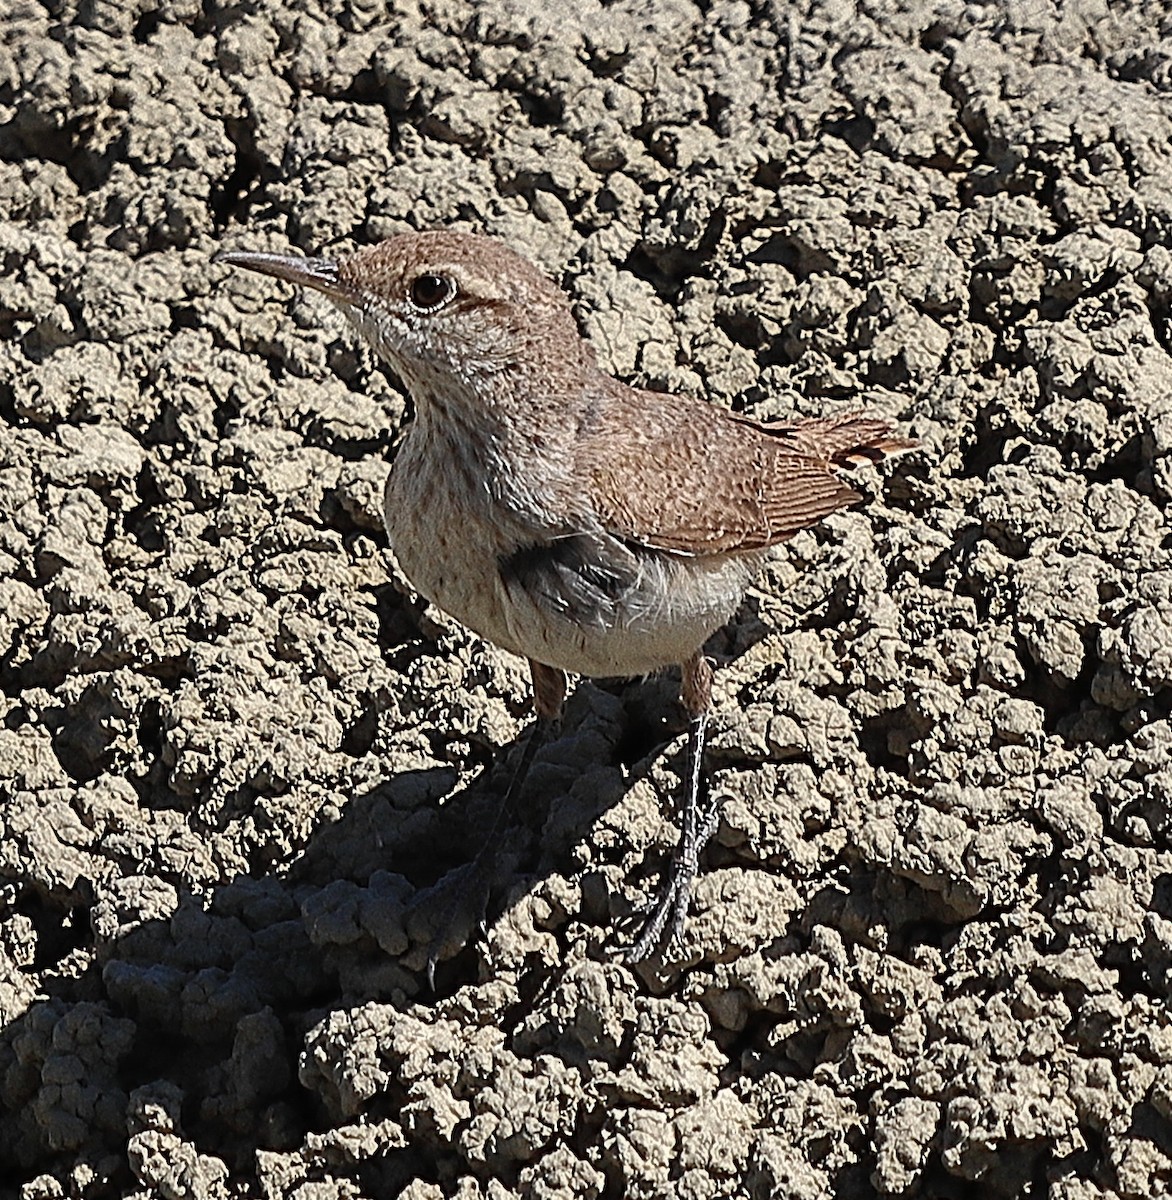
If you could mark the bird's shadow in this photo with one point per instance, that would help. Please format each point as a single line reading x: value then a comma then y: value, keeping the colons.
x: 209, y: 999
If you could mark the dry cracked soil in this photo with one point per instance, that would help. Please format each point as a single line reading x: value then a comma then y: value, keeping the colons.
x: 930, y: 950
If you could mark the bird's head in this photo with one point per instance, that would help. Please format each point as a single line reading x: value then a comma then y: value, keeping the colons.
x: 443, y: 308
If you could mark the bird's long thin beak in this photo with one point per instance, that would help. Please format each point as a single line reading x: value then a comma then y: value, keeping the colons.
x: 321, y: 274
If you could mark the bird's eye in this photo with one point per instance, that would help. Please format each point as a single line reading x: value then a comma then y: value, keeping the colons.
x: 428, y: 292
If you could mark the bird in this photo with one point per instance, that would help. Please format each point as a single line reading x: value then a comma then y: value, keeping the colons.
x: 594, y: 528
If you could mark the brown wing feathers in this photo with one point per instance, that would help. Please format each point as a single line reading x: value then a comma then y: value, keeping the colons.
x: 703, y: 481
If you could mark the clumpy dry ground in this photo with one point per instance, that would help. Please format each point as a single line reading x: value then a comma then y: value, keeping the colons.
x: 930, y: 951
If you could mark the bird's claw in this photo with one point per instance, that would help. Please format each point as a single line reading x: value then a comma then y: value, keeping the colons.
x: 668, y: 909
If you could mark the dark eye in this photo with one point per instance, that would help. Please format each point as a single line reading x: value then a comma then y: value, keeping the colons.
x: 430, y: 291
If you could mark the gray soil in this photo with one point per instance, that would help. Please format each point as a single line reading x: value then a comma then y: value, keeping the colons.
x: 931, y: 949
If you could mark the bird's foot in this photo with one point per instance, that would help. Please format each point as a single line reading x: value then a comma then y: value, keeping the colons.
x: 667, y: 910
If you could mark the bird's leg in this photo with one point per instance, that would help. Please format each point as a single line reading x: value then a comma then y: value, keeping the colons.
x: 669, y: 910
x: 472, y: 891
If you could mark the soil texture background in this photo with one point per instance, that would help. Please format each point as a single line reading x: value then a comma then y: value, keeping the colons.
x: 931, y: 945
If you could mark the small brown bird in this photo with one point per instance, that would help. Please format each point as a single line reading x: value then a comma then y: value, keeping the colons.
x: 588, y: 526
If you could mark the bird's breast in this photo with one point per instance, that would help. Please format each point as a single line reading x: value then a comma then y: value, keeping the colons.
x: 442, y: 524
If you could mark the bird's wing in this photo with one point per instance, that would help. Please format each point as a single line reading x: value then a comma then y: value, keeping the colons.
x: 687, y: 477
